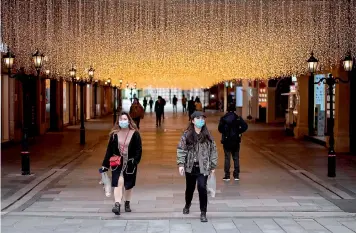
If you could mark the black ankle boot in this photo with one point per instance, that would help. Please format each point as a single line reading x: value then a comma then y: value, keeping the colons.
x: 127, y: 206
x: 203, y: 217
x: 116, y: 208
x: 186, y: 209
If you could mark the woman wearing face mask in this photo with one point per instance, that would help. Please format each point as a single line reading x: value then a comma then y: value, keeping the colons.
x: 197, y: 157
x: 124, y: 146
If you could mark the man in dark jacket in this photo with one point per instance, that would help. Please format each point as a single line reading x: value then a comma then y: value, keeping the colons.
x: 231, y: 126
x: 191, y: 107
x: 159, y: 111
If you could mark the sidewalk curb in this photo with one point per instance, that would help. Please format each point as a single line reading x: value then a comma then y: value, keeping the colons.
x: 179, y: 215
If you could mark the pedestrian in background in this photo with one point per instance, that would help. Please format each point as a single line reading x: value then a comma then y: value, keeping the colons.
x: 159, y: 111
x: 163, y: 102
x: 197, y: 157
x: 175, y: 100
x: 125, y: 150
x: 144, y: 104
x: 184, y: 103
x: 231, y: 126
x: 137, y: 112
x: 198, y: 104
x: 191, y: 108
x: 151, y: 104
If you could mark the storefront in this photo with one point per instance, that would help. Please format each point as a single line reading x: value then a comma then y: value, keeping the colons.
x: 262, y: 101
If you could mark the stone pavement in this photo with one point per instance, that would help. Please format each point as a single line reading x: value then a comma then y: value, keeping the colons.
x: 273, y: 195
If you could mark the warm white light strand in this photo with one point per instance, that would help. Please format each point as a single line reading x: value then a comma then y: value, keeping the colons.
x: 183, y: 43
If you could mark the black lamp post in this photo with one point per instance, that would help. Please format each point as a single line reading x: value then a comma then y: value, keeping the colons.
x: 331, y: 81
x: 25, y: 79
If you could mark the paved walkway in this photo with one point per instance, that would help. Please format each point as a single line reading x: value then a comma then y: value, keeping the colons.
x: 276, y: 193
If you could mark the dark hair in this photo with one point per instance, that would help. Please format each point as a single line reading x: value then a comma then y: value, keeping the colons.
x: 231, y: 107
x: 192, y: 138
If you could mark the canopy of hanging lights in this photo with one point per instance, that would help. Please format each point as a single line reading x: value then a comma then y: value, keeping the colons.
x: 180, y: 43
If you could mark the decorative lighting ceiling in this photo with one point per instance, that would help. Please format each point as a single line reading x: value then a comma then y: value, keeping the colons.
x: 180, y: 43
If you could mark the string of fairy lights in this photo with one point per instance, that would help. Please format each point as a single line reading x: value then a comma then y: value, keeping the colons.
x: 181, y: 43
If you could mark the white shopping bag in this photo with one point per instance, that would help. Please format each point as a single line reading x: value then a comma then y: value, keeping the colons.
x: 105, y: 180
x: 212, y: 184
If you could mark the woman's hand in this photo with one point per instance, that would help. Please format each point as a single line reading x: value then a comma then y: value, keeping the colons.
x: 212, y: 171
x: 181, y: 171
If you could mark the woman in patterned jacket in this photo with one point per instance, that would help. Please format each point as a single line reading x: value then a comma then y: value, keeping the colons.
x: 197, y: 157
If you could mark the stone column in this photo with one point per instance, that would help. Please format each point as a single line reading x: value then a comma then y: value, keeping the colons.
x: 271, y: 105
x: 342, y: 112
x: 301, y: 128
x: 225, y: 98
x: 5, y: 108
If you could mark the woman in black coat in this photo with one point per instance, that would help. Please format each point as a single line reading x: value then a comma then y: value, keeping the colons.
x: 125, y: 142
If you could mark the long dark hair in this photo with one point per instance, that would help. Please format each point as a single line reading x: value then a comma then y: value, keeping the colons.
x: 192, y: 137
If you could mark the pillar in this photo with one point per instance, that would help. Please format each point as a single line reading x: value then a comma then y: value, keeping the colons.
x: 342, y: 112
x: 271, y: 105
x: 301, y: 128
x: 5, y: 108
x: 225, y: 98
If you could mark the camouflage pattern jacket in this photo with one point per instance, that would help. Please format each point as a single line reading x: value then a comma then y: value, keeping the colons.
x: 206, y: 153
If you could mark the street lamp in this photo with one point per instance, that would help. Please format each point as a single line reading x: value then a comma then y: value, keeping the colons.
x: 331, y: 81
x: 8, y: 60
x: 348, y: 62
x: 38, y: 61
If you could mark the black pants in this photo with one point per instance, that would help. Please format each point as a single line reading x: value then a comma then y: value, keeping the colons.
x: 158, y: 119
x: 236, y: 157
x: 174, y: 107
x: 191, y: 180
x: 137, y: 121
x: 184, y: 108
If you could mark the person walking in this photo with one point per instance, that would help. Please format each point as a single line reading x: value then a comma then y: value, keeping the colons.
x: 197, y: 158
x: 137, y: 112
x: 231, y: 126
x: 144, y: 104
x: 184, y: 103
x: 151, y: 104
x: 198, y: 105
x: 159, y: 111
x: 124, y: 146
x: 191, y: 108
x: 175, y: 100
x: 163, y: 102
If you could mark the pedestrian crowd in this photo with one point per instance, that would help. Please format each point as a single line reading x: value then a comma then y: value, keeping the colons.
x: 197, y: 154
